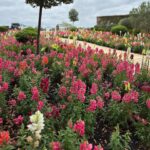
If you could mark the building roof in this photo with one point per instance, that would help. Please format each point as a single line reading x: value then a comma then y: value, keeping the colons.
x: 113, y: 16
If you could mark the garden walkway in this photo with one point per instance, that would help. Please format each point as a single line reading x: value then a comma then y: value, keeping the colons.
x: 137, y: 57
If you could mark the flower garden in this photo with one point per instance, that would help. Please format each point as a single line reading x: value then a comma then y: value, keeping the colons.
x: 71, y: 98
x: 137, y: 43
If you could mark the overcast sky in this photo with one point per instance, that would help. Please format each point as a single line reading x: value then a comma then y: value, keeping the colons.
x: 18, y: 11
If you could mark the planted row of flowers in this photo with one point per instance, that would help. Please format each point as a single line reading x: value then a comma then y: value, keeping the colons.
x: 71, y: 98
x: 138, y: 44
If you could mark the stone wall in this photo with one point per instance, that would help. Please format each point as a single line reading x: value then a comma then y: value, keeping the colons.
x: 102, y: 20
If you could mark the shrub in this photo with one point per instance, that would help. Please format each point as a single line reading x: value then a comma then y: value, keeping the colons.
x: 119, y: 29
x: 98, y: 28
x: 126, y: 22
x: 73, y: 29
x: 136, y: 31
x: 3, y: 28
x: 26, y: 35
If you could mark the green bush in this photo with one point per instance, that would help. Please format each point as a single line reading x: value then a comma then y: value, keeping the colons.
x: 26, y: 35
x: 136, y: 31
x: 126, y: 22
x: 98, y: 28
x: 119, y: 29
x: 3, y: 28
x: 73, y: 29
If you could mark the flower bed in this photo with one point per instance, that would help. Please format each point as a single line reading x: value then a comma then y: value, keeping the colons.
x: 70, y: 98
x: 136, y: 43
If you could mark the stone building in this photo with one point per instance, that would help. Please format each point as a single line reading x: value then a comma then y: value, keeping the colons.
x: 110, y: 20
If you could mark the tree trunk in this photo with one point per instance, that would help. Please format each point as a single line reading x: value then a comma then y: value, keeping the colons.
x: 39, y: 27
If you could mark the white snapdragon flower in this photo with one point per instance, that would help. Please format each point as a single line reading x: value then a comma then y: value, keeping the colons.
x: 37, y: 123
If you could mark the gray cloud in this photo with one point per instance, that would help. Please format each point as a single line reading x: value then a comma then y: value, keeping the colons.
x: 18, y: 11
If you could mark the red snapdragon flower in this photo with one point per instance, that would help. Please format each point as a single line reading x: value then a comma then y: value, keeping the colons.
x: 44, y: 60
x: 44, y: 84
x: 1, y: 120
x: 23, y: 65
x: 4, y: 137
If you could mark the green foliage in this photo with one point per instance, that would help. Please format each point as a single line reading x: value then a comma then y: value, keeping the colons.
x: 126, y: 22
x: 104, y: 27
x: 3, y: 28
x: 26, y: 35
x: 118, y: 141
x: 73, y: 29
x: 73, y: 15
x: 142, y: 132
x: 69, y: 139
x: 140, y: 17
x: 136, y: 31
x: 119, y: 29
x: 48, y: 3
x: 119, y: 113
x: 98, y: 28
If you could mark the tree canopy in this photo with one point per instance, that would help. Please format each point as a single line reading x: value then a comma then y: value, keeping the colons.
x: 48, y: 3
x: 140, y: 17
x: 73, y: 15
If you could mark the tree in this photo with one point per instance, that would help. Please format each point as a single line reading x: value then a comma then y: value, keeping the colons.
x: 140, y: 17
x: 73, y: 15
x: 45, y: 4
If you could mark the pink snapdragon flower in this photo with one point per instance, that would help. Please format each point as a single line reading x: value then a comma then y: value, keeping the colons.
x: 79, y: 127
x: 92, y: 106
x: 148, y: 103
x: 107, y: 95
x: 40, y: 105
x: 116, y: 96
x: 21, y: 96
x: 12, y: 102
x: 98, y: 148
x: 1, y: 120
x: 100, y: 102
x: 126, y: 98
x: 86, y: 146
x: 62, y: 91
x: 94, y: 88
x: 18, y: 120
x: 78, y: 88
x: 5, y: 86
x: 35, y: 93
x: 55, y: 145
